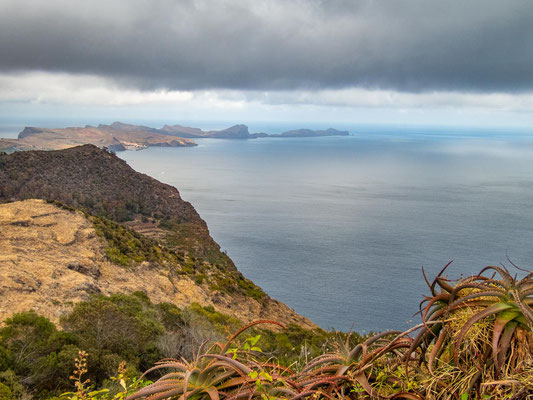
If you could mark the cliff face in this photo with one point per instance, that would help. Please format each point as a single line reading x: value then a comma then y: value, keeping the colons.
x: 154, y: 233
x: 51, y: 258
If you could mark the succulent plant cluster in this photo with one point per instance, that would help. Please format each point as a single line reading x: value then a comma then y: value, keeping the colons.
x: 475, y: 341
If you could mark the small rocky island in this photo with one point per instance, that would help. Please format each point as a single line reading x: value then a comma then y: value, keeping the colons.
x: 119, y: 136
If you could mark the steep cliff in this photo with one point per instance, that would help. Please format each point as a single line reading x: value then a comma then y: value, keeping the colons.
x: 141, y: 226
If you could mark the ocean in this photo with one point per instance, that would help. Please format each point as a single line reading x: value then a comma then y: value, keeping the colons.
x: 339, y: 228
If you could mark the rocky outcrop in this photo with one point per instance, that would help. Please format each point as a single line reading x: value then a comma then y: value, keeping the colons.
x: 234, y: 132
x: 183, y: 131
x: 29, y: 131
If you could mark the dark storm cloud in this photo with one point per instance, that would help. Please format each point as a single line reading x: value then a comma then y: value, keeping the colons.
x: 476, y: 45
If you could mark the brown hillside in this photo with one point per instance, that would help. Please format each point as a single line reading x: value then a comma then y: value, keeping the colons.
x: 51, y: 258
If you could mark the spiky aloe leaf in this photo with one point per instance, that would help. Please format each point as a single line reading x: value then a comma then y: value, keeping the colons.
x: 499, y: 324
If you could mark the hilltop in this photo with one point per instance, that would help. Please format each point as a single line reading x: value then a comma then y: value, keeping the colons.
x: 143, y: 225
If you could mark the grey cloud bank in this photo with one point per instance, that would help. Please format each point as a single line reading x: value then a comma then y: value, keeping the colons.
x: 409, y: 46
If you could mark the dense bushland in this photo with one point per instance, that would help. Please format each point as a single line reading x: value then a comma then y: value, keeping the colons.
x: 37, y: 359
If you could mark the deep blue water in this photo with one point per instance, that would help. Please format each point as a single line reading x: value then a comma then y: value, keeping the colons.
x: 339, y: 228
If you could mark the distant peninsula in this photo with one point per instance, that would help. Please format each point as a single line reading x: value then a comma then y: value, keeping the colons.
x: 119, y: 136
x: 242, y: 132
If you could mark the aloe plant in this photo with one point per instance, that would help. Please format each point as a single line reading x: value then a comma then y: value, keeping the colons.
x: 472, y: 323
x: 210, y: 375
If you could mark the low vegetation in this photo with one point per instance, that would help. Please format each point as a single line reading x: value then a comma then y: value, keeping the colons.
x: 475, y: 342
x: 36, y: 359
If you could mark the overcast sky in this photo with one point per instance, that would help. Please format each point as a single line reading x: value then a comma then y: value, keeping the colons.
x: 463, y: 62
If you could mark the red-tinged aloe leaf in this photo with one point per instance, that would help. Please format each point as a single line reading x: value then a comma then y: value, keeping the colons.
x: 392, y: 346
x: 429, y: 306
x: 526, y: 294
x: 496, y: 308
x: 213, y: 393
x: 165, y: 395
x: 499, y: 324
x: 328, y: 369
x: 525, y: 282
x: 154, y: 389
x: 330, y: 381
x: 526, y: 310
x: 432, y: 288
x: 236, y: 364
x: 226, y: 381
x: 206, y: 374
x: 342, y: 370
x: 364, y: 354
x: 285, y: 391
x: 305, y: 383
x: 304, y: 394
x: 360, y: 377
x: 307, y: 393
x: 406, y: 396
x: 172, y: 376
x: 354, y: 353
x: 241, y: 380
x: 379, y: 336
x: 505, y: 341
x: 422, y: 338
x: 435, y: 351
x: 443, y: 283
x: 426, y: 277
x: 506, y: 277
x: 481, y: 286
x: 186, y: 384
x: 176, y: 365
x: 330, y: 360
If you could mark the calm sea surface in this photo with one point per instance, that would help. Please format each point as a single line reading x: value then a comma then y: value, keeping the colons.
x: 339, y: 228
